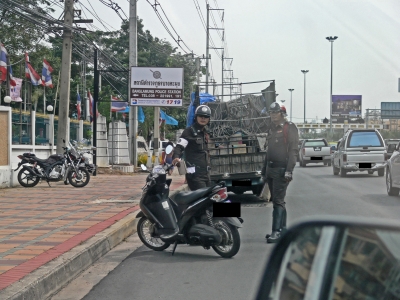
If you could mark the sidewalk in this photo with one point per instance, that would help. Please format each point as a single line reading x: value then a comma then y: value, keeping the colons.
x: 50, y: 234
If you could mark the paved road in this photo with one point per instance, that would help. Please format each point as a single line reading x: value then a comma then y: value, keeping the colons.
x: 195, y: 273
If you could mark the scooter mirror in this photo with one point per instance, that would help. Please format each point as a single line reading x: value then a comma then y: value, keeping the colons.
x: 169, y: 149
x: 144, y: 168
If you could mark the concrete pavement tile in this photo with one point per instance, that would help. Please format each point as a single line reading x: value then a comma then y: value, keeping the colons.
x: 28, y: 252
x: 18, y: 257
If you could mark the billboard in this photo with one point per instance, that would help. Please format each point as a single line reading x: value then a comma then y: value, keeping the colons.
x: 346, y: 108
x: 156, y: 86
x: 390, y: 110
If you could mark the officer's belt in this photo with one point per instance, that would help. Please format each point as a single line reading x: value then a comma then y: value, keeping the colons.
x: 276, y: 164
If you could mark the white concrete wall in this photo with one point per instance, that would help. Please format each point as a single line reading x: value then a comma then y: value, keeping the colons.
x: 118, y: 143
x: 102, y: 143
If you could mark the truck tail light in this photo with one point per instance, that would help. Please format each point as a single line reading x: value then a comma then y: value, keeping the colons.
x: 344, y: 157
x: 304, y: 151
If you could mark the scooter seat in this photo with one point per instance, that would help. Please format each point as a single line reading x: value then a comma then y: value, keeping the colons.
x: 183, y: 198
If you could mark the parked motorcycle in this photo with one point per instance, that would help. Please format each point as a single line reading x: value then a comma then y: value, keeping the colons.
x: 188, y: 219
x: 67, y: 167
x: 79, y: 167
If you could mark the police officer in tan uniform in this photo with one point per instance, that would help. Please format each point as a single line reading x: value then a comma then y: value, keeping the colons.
x: 282, y: 152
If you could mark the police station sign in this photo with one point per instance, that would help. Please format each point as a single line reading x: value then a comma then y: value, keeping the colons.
x: 156, y: 86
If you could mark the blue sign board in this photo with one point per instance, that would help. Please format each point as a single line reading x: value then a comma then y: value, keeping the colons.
x: 390, y: 110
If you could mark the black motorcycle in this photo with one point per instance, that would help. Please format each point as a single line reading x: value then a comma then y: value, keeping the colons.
x: 188, y: 219
x: 54, y: 168
x: 68, y: 167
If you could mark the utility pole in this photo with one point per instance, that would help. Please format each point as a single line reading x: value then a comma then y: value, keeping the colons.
x: 208, y: 44
x: 222, y: 79
x: 94, y: 106
x: 63, y: 110
x: 133, y: 111
x: 304, y: 72
x: 291, y: 90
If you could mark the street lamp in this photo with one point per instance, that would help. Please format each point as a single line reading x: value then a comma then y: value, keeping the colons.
x: 331, y: 39
x: 291, y: 90
x: 304, y: 72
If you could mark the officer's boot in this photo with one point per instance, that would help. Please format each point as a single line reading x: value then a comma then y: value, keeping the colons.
x: 276, y: 225
x: 283, y: 225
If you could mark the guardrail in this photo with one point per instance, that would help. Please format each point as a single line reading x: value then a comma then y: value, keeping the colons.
x: 338, y: 126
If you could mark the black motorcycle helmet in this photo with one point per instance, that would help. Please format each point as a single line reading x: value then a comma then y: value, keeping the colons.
x: 274, y: 107
x: 203, y: 110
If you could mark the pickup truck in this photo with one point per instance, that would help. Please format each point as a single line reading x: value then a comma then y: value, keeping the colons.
x: 238, y: 160
x: 314, y: 151
x: 360, y: 150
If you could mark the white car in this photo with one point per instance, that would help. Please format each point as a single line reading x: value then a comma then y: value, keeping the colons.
x: 360, y: 150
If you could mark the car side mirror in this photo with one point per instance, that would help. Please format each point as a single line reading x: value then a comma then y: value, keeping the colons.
x: 334, y: 258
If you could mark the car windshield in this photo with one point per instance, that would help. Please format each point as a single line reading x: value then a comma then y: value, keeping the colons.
x: 315, y: 144
x: 365, y: 139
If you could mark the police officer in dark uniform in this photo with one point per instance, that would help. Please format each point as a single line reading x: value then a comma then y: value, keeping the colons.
x: 193, y: 142
x: 282, y: 151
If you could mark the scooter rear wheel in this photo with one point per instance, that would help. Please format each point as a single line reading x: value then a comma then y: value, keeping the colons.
x: 144, y: 230
x: 230, y: 244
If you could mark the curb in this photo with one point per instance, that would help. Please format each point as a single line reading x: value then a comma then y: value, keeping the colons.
x: 50, y: 278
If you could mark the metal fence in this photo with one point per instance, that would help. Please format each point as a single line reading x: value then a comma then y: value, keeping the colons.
x: 22, y: 129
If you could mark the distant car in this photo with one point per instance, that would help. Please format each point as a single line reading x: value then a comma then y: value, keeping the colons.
x: 299, y: 145
x: 315, y: 151
x: 393, y: 172
x: 161, y: 145
x: 360, y: 150
x: 390, y: 146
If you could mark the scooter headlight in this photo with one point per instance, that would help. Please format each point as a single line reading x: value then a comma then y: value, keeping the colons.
x: 158, y: 170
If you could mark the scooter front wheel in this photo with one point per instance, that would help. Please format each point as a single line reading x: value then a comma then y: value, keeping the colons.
x: 145, y: 230
x: 230, y: 243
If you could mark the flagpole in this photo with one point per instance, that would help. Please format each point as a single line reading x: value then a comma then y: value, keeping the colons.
x: 44, y: 100
x: 55, y: 99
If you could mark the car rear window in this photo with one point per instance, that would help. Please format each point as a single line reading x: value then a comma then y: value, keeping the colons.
x: 365, y: 139
x: 315, y: 144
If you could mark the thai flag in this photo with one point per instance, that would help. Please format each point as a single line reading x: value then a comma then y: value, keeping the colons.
x: 78, y: 105
x: 46, y: 72
x: 12, y: 80
x: 117, y: 105
x: 91, y: 107
x: 3, y: 63
x: 31, y: 73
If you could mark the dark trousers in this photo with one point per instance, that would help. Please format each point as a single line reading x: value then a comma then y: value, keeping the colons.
x: 197, y: 181
x: 277, y: 184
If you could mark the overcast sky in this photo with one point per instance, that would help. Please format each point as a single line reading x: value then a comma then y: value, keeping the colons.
x: 276, y: 39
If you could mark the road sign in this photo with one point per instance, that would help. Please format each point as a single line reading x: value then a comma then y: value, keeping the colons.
x: 390, y: 110
x: 156, y: 86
